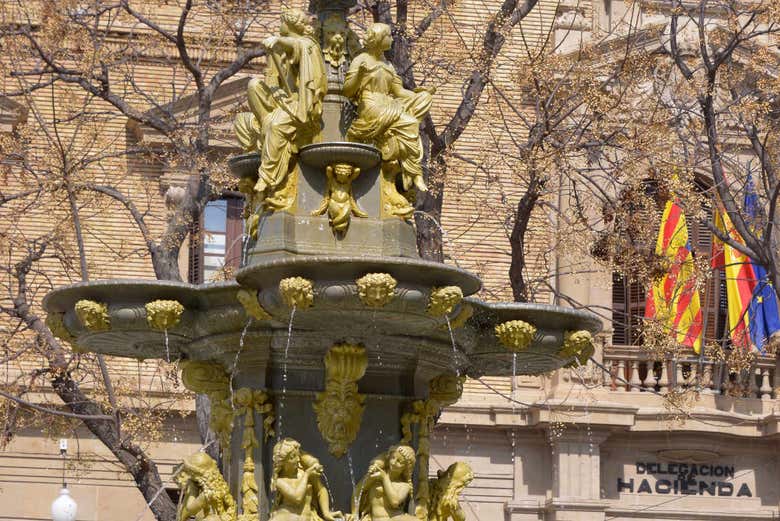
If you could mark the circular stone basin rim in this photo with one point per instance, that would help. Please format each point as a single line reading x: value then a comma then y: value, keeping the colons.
x: 323, y: 154
x: 545, y: 316
x: 325, y: 268
x: 191, y: 296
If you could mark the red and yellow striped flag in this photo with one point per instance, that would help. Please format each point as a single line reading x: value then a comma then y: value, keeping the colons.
x: 740, y: 280
x: 673, y: 299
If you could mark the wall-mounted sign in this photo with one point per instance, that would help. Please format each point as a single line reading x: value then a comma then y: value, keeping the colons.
x: 684, y: 479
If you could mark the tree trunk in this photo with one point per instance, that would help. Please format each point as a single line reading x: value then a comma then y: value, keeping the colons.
x: 207, y: 437
x: 165, y: 260
x: 428, y: 221
x: 144, y: 470
x: 526, y: 205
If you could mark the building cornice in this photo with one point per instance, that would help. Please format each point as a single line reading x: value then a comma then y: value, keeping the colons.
x: 612, y: 416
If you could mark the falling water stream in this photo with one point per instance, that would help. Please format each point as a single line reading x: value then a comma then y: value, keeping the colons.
x: 284, y: 373
x: 356, y: 502
x: 235, y: 359
x: 245, y: 249
x: 246, y: 238
x: 454, y: 347
x: 375, y: 330
x: 171, y: 374
x: 443, y: 232
x: 327, y: 486
x: 351, y: 469
x: 513, y: 396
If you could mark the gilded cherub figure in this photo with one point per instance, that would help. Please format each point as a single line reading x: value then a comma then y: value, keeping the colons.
x: 299, y: 494
x: 286, y: 107
x: 385, y: 491
x: 339, y: 201
x: 389, y: 115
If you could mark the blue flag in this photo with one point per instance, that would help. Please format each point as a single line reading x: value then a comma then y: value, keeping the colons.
x: 763, y: 315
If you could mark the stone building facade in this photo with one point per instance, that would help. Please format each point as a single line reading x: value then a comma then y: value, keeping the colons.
x: 602, y: 442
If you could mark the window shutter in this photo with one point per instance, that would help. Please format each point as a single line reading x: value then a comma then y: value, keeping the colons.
x: 636, y: 309
x: 195, y: 275
x: 619, y: 315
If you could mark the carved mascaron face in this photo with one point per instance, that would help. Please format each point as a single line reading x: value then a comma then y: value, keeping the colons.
x: 340, y: 420
x: 376, y: 289
x: 297, y: 291
x: 444, y: 299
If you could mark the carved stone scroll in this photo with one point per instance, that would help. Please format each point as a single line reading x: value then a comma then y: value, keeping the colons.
x: 252, y: 307
x: 210, y: 378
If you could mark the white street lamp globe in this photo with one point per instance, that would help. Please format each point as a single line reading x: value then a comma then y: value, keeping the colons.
x: 64, y: 507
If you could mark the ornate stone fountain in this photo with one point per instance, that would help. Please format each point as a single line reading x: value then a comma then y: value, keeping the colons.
x: 335, y: 338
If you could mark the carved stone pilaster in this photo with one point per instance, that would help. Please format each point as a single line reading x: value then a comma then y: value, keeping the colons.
x: 577, y: 476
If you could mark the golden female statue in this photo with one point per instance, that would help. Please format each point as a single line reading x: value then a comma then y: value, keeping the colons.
x: 287, y: 106
x: 389, y: 116
x: 205, y: 494
x: 299, y: 493
x: 385, y: 491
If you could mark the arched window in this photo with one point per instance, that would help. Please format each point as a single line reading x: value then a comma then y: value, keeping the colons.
x: 628, y: 298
